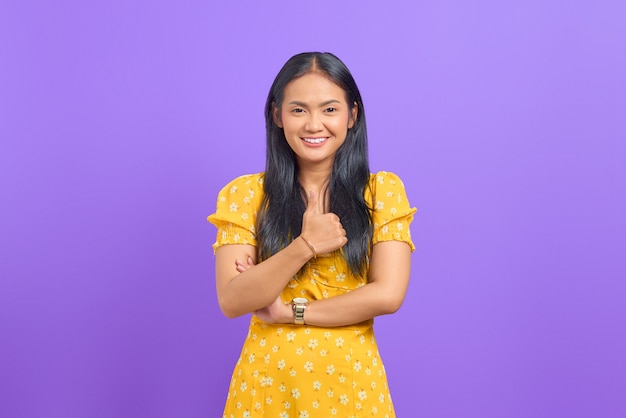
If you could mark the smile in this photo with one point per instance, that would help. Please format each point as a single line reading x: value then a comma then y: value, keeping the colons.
x: 315, y: 140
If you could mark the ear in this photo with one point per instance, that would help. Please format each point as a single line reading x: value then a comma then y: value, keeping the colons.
x: 276, y: 115
x: 354, y: 112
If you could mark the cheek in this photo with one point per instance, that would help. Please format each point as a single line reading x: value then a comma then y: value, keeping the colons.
x: 343, y: 123
x: 288, y: 120
x: 287, y: 123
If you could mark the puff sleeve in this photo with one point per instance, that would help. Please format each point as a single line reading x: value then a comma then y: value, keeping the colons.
x: 392, y: 214
x: 236, y: 210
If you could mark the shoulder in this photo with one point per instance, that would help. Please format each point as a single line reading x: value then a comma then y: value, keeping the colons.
x: 239, y: 199
x: 246, y: 189
x: 246, y: 180
x: 385, y: 179
x: 250, y: 184
x: 386, y: 190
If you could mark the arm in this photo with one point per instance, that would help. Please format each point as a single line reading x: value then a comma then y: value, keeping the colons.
x: 384, y: 293
x: 241, y: 289
x: 240, y: 293
x: 388, y: 280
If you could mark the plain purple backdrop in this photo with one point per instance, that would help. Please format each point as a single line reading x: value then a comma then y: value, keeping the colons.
x: 121, y: 120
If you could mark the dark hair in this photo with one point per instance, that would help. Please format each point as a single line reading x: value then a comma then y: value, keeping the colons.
x: 280, y: 217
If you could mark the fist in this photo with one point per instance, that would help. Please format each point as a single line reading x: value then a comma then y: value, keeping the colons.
x: 323, y: 230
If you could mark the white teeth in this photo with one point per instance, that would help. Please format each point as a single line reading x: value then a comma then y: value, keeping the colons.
x: 314, y: 140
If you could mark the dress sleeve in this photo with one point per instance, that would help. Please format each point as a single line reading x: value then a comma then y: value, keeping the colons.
x: 236, y: 210
x: 392, y: 215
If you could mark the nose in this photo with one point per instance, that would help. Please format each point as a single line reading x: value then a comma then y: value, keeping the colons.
x: 314, y: 123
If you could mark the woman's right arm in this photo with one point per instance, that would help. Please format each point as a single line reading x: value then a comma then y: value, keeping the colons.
x: 242, y: 292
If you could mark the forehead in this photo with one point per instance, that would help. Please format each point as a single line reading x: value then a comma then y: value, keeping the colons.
x: 313, y: 87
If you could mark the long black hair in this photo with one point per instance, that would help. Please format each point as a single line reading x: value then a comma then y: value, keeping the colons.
x: 280, y: 217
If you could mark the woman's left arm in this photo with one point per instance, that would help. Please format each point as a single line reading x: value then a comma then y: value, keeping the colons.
x: 390, y: 267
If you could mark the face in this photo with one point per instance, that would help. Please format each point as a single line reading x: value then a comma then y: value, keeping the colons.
x: 315, y: 117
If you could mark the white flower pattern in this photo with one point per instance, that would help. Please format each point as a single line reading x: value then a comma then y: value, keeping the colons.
x: 293, y: 371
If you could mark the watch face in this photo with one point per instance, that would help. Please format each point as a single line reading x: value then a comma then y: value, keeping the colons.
x: 300, y: 300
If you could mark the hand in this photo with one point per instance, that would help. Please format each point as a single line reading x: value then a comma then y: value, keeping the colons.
x: 323, y: 230
x: 244, y: 265
x: 278, y: 312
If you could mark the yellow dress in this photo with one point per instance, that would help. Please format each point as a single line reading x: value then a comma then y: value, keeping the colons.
x: 301, y: 371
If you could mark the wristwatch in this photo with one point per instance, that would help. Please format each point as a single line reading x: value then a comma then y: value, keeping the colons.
x: 299, y: 305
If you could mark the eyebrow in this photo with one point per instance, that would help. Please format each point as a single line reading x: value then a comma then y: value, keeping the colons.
x: 327, y: 102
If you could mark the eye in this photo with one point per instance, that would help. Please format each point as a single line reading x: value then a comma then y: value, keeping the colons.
x: 297, y: 110
x: 330, y: 109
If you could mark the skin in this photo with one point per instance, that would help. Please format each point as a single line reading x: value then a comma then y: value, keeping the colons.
x: 313, y: 107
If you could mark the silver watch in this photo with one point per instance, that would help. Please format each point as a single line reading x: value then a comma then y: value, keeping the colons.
x: 299, y: 305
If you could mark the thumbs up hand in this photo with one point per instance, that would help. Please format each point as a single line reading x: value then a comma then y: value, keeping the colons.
x: 323, y: 230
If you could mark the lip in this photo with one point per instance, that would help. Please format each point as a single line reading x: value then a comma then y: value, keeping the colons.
x: 314, y: 141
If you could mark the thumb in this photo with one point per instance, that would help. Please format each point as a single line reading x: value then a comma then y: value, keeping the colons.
x: 312, y: 206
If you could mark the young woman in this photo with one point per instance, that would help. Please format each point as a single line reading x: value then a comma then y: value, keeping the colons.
x: 315, y: 247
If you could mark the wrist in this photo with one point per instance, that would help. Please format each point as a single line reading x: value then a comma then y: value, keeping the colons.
x: 299, y: 250
x: 287, y: 314
x: 299, y: 306
x: 310, y: 246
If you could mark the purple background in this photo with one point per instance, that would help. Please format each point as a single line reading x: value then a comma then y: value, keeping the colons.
x: 121, y: 120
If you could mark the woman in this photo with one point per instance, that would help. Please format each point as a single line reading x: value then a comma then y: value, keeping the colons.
x: 315, y: 247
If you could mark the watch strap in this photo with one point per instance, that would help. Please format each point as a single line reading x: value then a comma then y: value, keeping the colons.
x: 298, y: 312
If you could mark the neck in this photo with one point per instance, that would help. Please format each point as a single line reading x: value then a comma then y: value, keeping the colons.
x: 314, y: 178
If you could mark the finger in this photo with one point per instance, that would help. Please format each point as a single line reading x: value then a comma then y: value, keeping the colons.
x: 241, y: 266
x: 312, y: 205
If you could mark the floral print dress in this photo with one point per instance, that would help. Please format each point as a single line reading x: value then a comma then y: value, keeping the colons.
x: 301, y: 371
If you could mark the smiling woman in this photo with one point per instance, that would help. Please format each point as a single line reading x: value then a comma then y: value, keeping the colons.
x: 315, y: 247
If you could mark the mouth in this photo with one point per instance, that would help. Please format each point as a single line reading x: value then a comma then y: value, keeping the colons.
x: 315, y: 141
